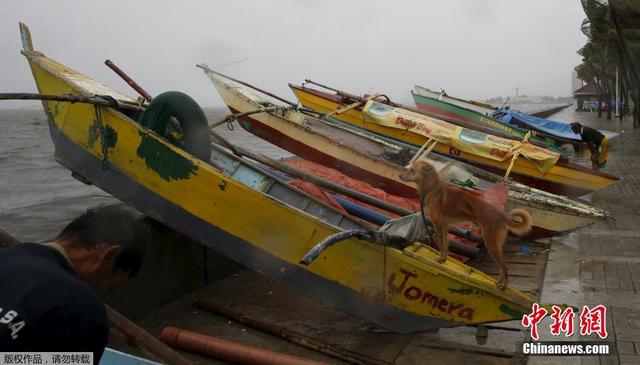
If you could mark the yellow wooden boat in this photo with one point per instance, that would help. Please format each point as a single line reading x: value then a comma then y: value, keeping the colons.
x: 563, y: 178
x: 256, y: 219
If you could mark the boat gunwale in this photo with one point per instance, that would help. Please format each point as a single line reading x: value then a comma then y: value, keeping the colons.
x: 444, y: 93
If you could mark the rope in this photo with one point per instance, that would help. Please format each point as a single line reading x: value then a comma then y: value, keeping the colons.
x: 113, y: 103
x: 103, y: 143
x: 515, y: 156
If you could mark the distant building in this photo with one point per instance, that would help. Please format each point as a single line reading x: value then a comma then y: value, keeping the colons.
x: 586, y: 97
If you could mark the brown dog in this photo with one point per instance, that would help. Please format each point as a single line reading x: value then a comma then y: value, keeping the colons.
x: 450, y: 205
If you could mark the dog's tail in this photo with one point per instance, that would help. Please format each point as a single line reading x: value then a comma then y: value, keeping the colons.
x: 520, y: 228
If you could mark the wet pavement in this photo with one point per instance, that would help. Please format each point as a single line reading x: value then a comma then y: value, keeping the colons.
x: 601, y: 264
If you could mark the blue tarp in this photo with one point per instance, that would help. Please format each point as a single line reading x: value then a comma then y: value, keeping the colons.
x: 113, y: 357
x: 558, y: 129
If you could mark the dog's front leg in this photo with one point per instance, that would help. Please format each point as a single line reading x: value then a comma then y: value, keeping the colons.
x: 441, y: 239
x: 504, y: 277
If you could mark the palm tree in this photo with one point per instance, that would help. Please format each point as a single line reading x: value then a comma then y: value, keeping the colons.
x: 613, y: 32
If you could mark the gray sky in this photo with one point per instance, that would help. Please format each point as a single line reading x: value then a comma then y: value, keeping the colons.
x: 472, y: 48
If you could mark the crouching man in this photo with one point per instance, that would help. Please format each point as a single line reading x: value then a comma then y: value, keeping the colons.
x: 598, y: 144
x: 48, y: 291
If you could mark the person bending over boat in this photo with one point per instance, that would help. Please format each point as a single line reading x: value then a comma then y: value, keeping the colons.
x: 598, y: 144
x: 48, y: 291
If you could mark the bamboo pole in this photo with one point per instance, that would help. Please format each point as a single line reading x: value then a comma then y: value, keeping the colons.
x: 287, y: 334
x: 208, y: 70
x: 70, y: 99
x: 431, y: 142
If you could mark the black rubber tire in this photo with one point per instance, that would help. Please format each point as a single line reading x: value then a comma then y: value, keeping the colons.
x: 195, y: 129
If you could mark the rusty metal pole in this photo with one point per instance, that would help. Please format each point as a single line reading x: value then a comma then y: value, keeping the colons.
x: 227, y: 350
x: 129, y: 80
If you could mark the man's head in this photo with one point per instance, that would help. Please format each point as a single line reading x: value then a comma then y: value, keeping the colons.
x: 105, y: 245
x: 576, y: 127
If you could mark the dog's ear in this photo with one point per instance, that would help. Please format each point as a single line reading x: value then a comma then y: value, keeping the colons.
x: 426, y: 169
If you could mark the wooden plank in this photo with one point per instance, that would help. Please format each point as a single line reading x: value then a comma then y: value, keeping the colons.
x: 252, y: 293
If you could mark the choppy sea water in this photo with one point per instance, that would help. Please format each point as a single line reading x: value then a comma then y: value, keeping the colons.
x: 38, y: 196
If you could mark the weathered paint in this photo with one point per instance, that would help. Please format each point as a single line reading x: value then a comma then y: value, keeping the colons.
x: 504, y: 308
x: 109, y: 137
x: 465, y: 291
x: 106, y: 135
x: 157, y: 157
x: 222, y: 185
x: 93, y: 134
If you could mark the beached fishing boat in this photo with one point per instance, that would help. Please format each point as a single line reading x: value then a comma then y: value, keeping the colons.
x: 472, y: 112
x: 251, y: 216
x: 503, y: 119
x: 401, y: 123
x: 474, y: 105
x: 360, y: 155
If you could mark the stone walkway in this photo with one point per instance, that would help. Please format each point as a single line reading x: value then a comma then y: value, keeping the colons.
x: 601, y: 264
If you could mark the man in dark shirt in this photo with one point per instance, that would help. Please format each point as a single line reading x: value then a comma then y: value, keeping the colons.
x: 598, y: 144
x: 48, y: 299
